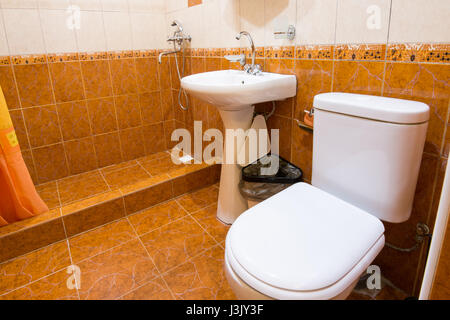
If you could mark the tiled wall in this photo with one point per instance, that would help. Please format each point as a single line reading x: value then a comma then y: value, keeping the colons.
x: 82, y: 98
x: 406, y: 57
x: 81, y: 110
x: 76, y: 113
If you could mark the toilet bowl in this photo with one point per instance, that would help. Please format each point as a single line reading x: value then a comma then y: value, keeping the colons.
x: 315, y: 241
x: 301, y: 244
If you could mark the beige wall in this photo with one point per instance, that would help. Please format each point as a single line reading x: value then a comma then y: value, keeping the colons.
x: 214, y: 23
x: 39, y: 26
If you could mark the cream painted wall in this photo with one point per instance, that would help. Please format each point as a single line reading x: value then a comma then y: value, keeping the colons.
x: 215, y: 22
x: 39, y: 26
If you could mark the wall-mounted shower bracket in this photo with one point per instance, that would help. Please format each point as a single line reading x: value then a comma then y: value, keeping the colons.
x: 289, y: 34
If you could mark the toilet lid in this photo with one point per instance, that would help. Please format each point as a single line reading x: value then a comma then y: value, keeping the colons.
x: 302, y: 238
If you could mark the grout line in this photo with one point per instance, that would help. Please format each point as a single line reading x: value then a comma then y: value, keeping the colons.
x: 105, y: 181
x: 13, y: 71
x: 33, y: 251
x: 386, y: 49
x: 53, y: 92
x: 333, y: 58
x: 96, y: 228
x: 34, y: 281
x: 70, y: 253
x: 85, y: 103
x: 151, y: 258
x: 201, y: 226
x: 446, y: 130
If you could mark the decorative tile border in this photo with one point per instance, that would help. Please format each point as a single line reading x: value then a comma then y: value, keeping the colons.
x: 121, y: 55
x: 5, y: 61
x: 438, y: 53
x: 63, y: 57
x: 314, y: 52
x: 360, y: 52
x: 29, y: 59
x: 431, y: 53
x: 93, y: 56
x: 146, y: 53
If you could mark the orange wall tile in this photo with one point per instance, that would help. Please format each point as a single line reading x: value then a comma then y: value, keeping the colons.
x: 420, y: 74
x: 73, y: 104
x: 192, y: 3
x: 74, y: 113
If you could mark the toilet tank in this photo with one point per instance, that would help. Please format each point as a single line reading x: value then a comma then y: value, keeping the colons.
x: 367, y: 151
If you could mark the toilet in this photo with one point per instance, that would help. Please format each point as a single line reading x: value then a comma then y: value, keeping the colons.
x: 315, y: 241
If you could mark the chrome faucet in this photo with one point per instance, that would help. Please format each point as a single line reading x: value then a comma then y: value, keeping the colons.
x: 254, y: 69
x: 177, y: 38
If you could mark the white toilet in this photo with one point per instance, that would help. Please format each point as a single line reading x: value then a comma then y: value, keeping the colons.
x: 315, y: 241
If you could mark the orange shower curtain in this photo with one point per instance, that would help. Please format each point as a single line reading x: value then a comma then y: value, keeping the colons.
x: 18, y: 197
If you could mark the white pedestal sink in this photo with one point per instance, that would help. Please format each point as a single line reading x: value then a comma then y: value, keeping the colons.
x: 234, y: 93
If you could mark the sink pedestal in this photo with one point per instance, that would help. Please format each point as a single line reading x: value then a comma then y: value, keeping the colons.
x: 234, y: 93
x: 231, y: 203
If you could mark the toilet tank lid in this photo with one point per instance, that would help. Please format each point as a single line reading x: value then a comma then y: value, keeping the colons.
x: 373, y: 107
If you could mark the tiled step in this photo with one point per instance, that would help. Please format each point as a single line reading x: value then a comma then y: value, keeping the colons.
x: 86, y: 201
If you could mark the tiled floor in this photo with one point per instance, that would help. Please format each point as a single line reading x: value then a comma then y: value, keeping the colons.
x: 174, y: 250
x: 171, y: 251
x: 86, y: 185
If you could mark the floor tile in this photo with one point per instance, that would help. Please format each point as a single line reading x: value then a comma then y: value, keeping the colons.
x: 53, y: 287
x: 49, y: 194
x: 32, y: 266
x: 390, y: 293
x: 98, y: 240
x: 357, y: 296
x: 201, y: 278
x: 81, y: 187
x: 173, y: 244
x: 125, y: 176
x: 199, y: 199
x: 208, y: 219
x: 155, y: 217
x: 163, y: 165
x: 154, y: 290
x: 116, y: 272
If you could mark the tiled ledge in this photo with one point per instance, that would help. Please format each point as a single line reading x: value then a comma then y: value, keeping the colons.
x: 79, y: 216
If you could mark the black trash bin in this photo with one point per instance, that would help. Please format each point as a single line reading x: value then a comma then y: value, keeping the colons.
x: 257, y: 185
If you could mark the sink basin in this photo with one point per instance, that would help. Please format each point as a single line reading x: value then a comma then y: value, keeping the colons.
x: 234, y: 93
x: 233, y: 89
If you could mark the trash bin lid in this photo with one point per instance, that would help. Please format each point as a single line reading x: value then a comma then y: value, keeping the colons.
x: 267, y: 170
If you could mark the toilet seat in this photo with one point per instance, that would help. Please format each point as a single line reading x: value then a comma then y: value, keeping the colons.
x: 303, y: 243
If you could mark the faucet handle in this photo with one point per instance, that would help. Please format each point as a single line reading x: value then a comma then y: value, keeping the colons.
x: 257, y: 70
x: 236, y: 58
